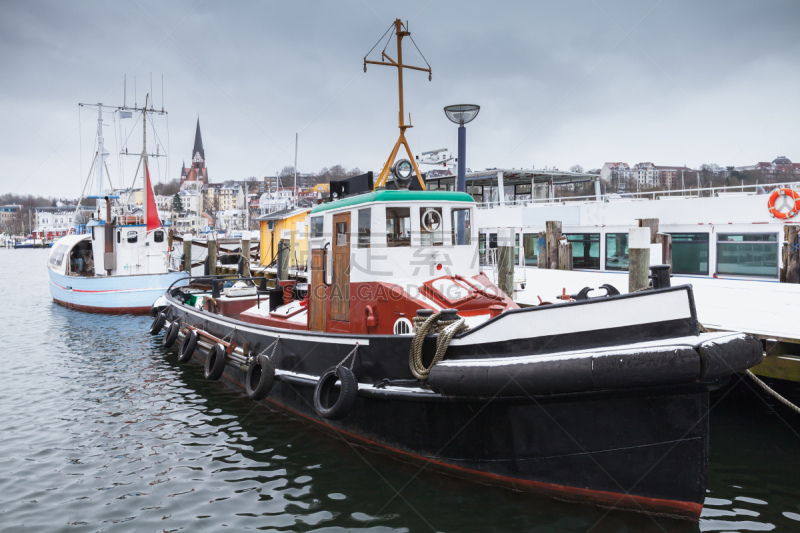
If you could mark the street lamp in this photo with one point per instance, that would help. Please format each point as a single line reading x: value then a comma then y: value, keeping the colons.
x: 461, y: 114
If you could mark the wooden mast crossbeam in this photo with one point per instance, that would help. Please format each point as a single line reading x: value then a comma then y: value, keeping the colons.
x: 384, y: 175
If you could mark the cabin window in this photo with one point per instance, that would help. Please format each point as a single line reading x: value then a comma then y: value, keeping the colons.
x: 158, y: 236
x: 119, y: 237
x: 531, y: 246
x: 616, y: 251
x: 476, y: 191
x: 585, y: 250
x: 431, y: 226
x: 522, y: 192
x: 461, y: 219
x: 748, y: 254
x: 398, y: 226
x: 341, y: 234
x: 132, y: 236
x: 316, y: 227
x: 690, y: 253
x: 482, y: 248
x: 364, y: 227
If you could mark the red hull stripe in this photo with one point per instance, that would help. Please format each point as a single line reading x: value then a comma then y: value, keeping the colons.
x: 106, y: 310
x: 689, y: 510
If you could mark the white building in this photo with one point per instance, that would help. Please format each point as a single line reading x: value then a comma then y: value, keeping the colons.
x: 618, y: 169
x: 232, y: 219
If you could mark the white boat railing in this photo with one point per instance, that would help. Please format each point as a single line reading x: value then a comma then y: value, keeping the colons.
x: 706, y: 192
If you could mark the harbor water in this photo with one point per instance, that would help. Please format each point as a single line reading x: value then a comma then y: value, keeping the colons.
x: 102, y: 430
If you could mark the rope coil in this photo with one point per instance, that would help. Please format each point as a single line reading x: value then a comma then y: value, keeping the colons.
x: 446, y: 330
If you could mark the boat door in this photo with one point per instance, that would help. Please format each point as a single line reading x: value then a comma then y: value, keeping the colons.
x: 340, y: 290
x: 317, y: 293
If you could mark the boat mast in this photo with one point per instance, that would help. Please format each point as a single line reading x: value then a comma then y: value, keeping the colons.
x: 100, y: 150
x: 401, y: 31
x: 144, y: 159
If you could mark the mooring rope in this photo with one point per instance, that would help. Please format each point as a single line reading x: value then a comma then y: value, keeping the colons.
x: 447, y: 329
x: 773, y: 393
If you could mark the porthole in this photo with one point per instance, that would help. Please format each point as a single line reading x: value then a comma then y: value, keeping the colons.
x: 402, y: 326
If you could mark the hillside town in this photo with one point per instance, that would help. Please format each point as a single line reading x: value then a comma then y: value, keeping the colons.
x: 193, y: 203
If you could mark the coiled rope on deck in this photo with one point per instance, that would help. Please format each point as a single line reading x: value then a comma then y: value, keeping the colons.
x: 447, y: 329
x: 773, y: 393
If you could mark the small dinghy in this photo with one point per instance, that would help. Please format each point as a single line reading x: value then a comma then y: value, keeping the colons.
x: 400, y: 342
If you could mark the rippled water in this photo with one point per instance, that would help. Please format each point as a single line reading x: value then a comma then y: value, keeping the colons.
x: 101, y: 430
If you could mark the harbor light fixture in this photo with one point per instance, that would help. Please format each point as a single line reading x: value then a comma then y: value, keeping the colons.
x: 462, y: 114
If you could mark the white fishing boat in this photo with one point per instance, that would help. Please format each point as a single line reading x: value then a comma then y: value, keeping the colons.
x: 123, y: 264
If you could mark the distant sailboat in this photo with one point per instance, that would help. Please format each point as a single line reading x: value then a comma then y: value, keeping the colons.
x: 122, y: 265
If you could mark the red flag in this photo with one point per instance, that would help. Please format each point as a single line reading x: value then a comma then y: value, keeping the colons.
x: 152, y: 211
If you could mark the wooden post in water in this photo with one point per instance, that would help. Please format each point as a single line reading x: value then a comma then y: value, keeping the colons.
x: 246, y: 254
x: 651, y: 223
x: 553, y: 231
x: 638, y: 258
x: 792, y: 236
x: 541, y: 252
x: 666, y: 249
x: 505, y: 260
x: 283, y: 259
x: 212, y: 254
x: 187, y: 253
x: 564, y: 254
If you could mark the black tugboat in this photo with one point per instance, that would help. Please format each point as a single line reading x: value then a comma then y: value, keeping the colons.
x: 400, y: 342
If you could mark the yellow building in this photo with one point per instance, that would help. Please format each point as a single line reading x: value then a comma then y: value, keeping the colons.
x: 320, y: 187
x: 290, y: 224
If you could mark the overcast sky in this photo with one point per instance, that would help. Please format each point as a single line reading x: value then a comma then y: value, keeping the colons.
x: 559, y: 83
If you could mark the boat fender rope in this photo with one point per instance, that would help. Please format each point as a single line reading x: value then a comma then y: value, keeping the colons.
x: 354, y: 353
x: 773, y: 393
x: 274, y: 346
x: 447, y: 329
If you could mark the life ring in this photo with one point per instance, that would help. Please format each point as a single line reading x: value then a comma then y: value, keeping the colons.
x: 158, y: 323
x: 172, y: 334
x: 348, y: 391
x: 188, y: 347
x: 215, y: 362
x: 260, y: 377
x: 792, y: 206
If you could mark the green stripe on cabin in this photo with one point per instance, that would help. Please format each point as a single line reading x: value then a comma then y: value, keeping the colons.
x: 394, y: 196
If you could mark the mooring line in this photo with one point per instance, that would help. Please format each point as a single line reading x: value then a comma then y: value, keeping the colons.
x: 773, y: 393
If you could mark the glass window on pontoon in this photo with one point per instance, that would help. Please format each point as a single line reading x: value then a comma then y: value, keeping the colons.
x: 341, y: 234
x: 530, y: 243
x: 398, y: 226
x: 516, y: 248
x: 482, y: 248
x: 522, y: 192
x: 616, y: 251
x: 364, y: 227
x: 133, y: 236
x: 585, y: 250
x: 461, y: 219
x: 158, y: 236
x: 316, y: 227
x: 748, y: 254
x: 431, y: 226
x: 690, y: 253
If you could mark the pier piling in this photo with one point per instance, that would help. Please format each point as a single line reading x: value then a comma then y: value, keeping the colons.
x: 638, y: 258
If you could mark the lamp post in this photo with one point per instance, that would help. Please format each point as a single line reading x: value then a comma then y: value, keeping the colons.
x: 461, y: 114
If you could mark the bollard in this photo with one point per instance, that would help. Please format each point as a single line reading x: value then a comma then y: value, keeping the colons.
x: 187, y: 253
x: 660, y: 276
x: 246, y: 254
x: 284, y: 256
x: 638, y: 258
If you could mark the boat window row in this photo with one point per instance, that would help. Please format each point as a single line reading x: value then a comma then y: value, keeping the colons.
x: 737, y: 254
x: 399, y: 229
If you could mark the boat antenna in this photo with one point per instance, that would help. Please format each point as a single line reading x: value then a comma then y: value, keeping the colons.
x: 401, y: 30
x: 124, y: 89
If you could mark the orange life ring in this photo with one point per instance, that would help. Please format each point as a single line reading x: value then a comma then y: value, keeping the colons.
x: 793, y: 210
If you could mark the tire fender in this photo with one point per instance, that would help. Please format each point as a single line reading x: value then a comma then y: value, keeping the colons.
x: 260, y: 377
x: 188, y: 347
x: 172, y: 334
x: 158, y: 323
x: 348, y: 392
x: 215, y: 362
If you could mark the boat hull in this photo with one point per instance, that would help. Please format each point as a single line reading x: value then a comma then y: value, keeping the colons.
x: 113, y: 294
x: 642, y: 449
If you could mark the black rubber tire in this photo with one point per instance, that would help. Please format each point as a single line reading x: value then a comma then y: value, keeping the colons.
x: 215, y: 362
x: 188, y: 347
x: 158, y: 323
x: 348, y: 392
x: 172, y: 334
x: 260, y: 377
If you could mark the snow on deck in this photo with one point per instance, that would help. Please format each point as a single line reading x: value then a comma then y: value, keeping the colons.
x: 761, y: 307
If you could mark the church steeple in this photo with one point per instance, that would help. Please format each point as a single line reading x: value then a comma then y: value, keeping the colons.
x: 198, y: 146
